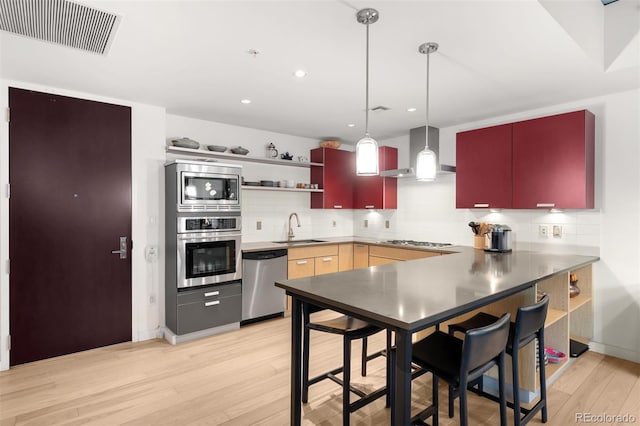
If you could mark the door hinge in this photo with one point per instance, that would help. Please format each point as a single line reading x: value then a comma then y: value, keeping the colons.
x: 8, y: 266
x: 8, y: 190
x: 9, y: 342
x: 7, y: 114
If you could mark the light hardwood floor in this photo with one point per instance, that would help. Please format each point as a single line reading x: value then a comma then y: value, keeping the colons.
x: 242, y: 378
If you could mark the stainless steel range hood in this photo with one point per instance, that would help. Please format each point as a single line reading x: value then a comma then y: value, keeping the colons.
x: 416, y: 144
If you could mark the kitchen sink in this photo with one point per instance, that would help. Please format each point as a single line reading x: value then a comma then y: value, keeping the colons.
x: 294, y: 242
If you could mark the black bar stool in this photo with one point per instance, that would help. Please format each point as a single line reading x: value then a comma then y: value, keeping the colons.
x: 529, y: 325
x: 462, y: 362
x: 350, y: 329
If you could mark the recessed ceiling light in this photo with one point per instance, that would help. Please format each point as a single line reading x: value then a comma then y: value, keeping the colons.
x: 300, y: 73
x: 246, y: 101
x: 351, y: 125
x: 412, y: 109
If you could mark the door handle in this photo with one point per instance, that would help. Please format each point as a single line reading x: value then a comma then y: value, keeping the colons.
x: 123, y: 248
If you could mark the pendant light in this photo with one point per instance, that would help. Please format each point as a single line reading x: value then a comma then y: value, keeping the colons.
x: 367, y: 147
x: 426, y: 162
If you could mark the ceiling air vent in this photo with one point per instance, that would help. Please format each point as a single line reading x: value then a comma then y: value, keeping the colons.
x: 380, y: 108
x: 59, y: 21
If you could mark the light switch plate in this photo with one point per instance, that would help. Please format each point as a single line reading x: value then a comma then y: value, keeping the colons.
x: 557, y: 231
x: 366, y: 223
x: 386, y: 224
x: 259, y: 225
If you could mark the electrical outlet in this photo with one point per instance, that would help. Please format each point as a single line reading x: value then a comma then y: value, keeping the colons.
x: 386, y: 224
x: 366, y: 223
x: 557, y: 231
x: 543, y: 231
x: 152, y: 298
x: 259, y: 225
x: 334, y: 223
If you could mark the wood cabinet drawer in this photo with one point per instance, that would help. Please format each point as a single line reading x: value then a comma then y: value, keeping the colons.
x: 400, y: 253
x: 377, y: 261
x: 313, y: 251
x: 326, y: 264
x: 300, y: 268
x: 205, y: 294
x: 207, y: 314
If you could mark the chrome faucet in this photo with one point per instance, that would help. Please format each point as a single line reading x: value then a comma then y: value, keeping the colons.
x: 290, y: 235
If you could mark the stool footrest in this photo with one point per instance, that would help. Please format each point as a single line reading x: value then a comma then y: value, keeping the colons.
x: 422, y: 415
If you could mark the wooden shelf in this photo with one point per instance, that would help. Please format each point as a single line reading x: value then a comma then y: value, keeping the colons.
x: 201, y: 154
x: 277, y: 188
x: 551, y: 369
x: 553, y: 316
x: 578, y: 301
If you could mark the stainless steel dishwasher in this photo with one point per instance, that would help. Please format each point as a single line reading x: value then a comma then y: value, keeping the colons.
x: 261, y: 299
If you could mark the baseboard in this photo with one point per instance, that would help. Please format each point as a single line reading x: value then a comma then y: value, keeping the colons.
x: 150, y: 334
x: 174, y: 339
x: 615, y: 351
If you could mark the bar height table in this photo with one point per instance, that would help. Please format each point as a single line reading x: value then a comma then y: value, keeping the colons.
x: 410, y: 296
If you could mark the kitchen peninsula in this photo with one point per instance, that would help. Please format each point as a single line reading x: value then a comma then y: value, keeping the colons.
x: 408, y: 297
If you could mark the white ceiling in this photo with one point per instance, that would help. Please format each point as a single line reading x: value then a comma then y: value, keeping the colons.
x: 495, y: 57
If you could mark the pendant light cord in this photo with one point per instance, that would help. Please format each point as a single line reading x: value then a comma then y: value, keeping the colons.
x: 426, y: 144
x: 366, y: 106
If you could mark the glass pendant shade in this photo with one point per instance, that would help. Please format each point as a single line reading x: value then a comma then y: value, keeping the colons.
x: 426, y: 165
x: 367, y: 157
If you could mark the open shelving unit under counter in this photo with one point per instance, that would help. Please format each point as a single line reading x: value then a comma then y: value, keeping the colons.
x: 567, y: 318
x: 200, y: 154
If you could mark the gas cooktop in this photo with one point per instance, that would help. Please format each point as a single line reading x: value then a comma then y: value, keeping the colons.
x: 417, y: 243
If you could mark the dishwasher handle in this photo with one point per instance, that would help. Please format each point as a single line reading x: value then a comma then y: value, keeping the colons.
x: 263, y: 255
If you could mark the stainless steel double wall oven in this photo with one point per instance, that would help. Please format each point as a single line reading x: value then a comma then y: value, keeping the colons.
x: 203, y: 236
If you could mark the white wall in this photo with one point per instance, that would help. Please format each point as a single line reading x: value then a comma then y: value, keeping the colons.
x: 148, y: 155
x: 271, y: 208
x: 426, y: 211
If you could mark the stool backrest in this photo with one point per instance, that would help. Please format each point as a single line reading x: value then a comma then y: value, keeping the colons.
x: 481, y: 345
x: 530, y: 319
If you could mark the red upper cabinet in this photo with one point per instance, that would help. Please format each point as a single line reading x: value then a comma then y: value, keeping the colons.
x: 335, y: 178
x: 377, y: 192
x: 483, y: 168
x: 553, y: 162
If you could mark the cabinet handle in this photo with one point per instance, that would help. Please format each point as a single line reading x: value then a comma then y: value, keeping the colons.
x: 360, y: 245
x: 327, y: 259
x: 301, y: 262
x: 548, y: 205
x: 481, y: 205
x: 211, y: 293
x: 337, y: 207
x: 369, y: 207
x: 214, y: 302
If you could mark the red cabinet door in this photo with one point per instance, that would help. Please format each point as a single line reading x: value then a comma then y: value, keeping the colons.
x: 483, y: 168
x: 335, y: 177
x: 376, y: 192
x: 553, y: 162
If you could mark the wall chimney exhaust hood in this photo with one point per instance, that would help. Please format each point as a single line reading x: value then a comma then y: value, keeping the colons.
x: 416, y: 144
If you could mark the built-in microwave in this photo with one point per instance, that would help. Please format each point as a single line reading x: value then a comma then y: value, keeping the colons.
x: 202, y: 186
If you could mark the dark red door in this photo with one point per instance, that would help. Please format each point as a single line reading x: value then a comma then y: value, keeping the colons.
x: 553, y: 162
x: 377, y: 192
x: 484, y: 168
x: 70, y: 176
